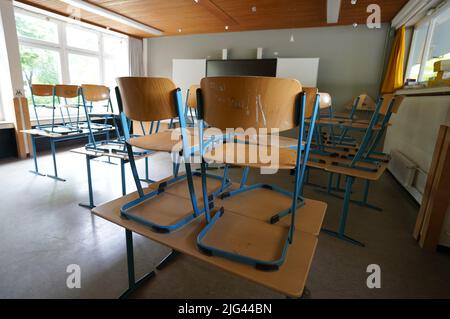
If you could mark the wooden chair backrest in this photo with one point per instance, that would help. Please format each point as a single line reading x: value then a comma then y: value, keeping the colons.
x: 250, y: 102
x: 66, y: 91
x: 398, y: 101
x: 387, y: 100
x: 95, y: 93
x: 310, y: 99
x: 42, y: 89
x: 148, y: 99
x: 192, y: 96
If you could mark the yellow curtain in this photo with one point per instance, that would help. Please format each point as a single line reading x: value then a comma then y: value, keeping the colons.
x: 394, y: 78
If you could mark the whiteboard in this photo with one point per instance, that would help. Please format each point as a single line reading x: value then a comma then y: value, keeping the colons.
x: 305, y: 70
x: 187, y: 72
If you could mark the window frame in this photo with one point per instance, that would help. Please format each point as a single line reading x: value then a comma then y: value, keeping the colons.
x: 64, y: 49
x: 426, y: 46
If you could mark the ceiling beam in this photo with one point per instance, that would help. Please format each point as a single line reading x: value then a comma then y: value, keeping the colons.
x: 86, y: 6
x: 333, y: 10
x: 218, y: 12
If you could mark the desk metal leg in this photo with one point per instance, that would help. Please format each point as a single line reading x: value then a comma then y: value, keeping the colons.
x: 167, y: 260
x: 305, y: 295
x: 364, y: 202
x: 132, y: 283
x: 33, y: 146
x: 147, y: 177
x: 122, y: 176
x: 55, y: 176
x: 89, y: 176
x: 344, y: 214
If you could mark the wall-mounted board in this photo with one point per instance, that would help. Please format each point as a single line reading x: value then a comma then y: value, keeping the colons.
x: 187, y: 72
x: 305, y: 70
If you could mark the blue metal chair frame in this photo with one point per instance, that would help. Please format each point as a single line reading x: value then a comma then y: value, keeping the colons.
x: 52, y: 128
x: 368, y: 143
x: 187, y: 152
x: 92, y: 127
x: 192, y: 115
x: 71, y: 124
x: 297, y: 200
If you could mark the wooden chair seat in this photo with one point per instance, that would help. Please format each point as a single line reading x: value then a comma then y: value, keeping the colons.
x: 101, y: 114
x: 247, y: 236
x: 262, y: 204
x: 165, y: 209
x: 165, y: 141
x: 345, y: 124
x: 354, y: 172
x: 238, y: 155
x: 181, y: 188
x: 283, y: 141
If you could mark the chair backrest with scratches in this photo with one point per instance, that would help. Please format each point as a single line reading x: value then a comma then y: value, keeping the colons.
x: 95, y: 93
x: 192, y: 96
x: 148, y: 99
x: 310, y: 98
x: 42, y: 89
x: 66, y: 91
x: 250, y: 102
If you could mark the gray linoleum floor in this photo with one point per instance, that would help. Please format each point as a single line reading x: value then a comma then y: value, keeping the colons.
x: 43, y: 230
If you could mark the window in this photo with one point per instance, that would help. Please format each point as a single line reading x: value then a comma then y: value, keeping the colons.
x: 54, y: 51
x: 84, y: 69
x: 430, y: 44
x: 81, y: 39
x: 36, y: 28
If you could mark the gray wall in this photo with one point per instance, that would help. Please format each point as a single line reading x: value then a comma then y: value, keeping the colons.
x: 351, y: 59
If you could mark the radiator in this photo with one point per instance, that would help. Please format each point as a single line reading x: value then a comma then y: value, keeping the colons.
x: 408, y: 174
x: 402, y: 168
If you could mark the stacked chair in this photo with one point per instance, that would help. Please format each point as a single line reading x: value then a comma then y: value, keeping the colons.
x: 152, y: 100
x: 98, y: 107
x: 361, y: 160
x: 191, y: 105
x: 243, y: 233
x: 51, y: 95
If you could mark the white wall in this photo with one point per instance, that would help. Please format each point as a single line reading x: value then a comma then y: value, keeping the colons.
x: 11, y: 80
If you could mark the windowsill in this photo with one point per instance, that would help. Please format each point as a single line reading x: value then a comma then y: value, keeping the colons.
x: 6, y: 125
x: 46, y: 121
x: 431, y: 91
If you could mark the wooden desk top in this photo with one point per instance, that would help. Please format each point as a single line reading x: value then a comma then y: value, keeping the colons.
x: 84, y: 151
x: 347, y: 124
x: 289, y: 279
x: 44, y: 133
x: 354, y: 172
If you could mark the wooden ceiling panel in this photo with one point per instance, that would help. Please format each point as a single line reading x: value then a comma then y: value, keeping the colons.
x: 209, y: 16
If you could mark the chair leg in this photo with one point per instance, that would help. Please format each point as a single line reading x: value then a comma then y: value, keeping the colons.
x: 344, y: 214
x: 134, y: 171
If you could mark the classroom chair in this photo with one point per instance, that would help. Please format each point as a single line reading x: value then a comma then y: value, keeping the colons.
x: 364, y: 163
x: 153, y: 99
x: 68, y: 97
x: 191, y: 104
x: 48, y: 91
x: 246, y: 103
x: 98, y: 96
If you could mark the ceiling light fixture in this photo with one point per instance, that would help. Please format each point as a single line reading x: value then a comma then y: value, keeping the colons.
x: 353, y: 1
x: 254, y: 9
x: 83, y: 5
x: 179, y: 30
x: 226, y: 27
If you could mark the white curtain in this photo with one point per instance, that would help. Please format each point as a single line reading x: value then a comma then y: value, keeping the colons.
x: 135, y: 57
